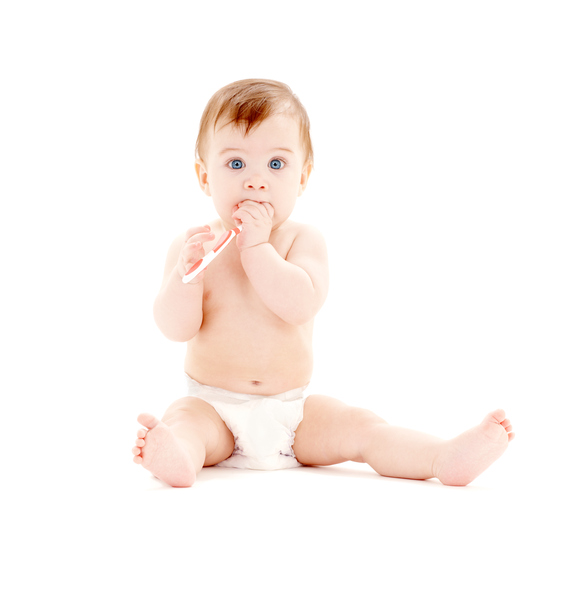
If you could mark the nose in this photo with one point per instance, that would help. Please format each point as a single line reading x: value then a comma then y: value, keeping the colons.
x: 255, y: 182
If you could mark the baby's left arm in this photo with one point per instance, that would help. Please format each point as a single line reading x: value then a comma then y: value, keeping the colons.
x: 294, y: 288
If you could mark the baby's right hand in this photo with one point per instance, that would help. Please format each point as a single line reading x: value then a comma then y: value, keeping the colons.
x: 193, y: 250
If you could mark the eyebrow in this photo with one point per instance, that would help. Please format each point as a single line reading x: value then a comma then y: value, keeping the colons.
x: 226, y: 150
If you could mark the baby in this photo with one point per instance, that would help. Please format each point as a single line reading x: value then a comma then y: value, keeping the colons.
x: 248, y: 319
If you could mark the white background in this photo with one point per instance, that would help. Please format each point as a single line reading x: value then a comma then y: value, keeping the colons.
x: 444, y: 140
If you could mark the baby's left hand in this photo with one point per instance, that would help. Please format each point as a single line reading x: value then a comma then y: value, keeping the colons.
x: 257, y: 221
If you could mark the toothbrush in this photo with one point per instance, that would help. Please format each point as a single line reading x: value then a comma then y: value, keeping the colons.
x: 203, y: 263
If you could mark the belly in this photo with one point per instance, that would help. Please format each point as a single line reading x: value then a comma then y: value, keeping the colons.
x: 262, y: 360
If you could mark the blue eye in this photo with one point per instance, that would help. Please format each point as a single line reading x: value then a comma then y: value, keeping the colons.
x: 236, y: 164
x: 276, y: 163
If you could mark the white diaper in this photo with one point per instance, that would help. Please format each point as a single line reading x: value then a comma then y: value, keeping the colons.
x: 263, y: 426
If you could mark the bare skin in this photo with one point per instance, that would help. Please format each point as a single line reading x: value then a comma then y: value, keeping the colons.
x: 248, y: 322
x: 359, y: 436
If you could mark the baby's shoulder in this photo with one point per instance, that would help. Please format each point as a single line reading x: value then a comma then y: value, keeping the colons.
x: 302, y: 240
x: 294, y: 230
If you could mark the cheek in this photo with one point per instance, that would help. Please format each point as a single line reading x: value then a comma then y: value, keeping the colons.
x: 220, y: 186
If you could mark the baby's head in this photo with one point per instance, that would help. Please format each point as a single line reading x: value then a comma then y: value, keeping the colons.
x: 246, y: 104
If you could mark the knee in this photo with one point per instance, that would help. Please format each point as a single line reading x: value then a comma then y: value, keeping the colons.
x: 200, y: 422
x: 193, y: 415
x: 364, y: 419
x: 180, y: 410
x: 363, y: 424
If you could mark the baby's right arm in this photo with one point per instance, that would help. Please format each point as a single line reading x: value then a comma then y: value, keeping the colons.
x: 178, y: 306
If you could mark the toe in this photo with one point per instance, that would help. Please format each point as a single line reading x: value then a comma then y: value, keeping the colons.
x: 141, y: 433
x: 140, y: 442
x: 148, y: 420
x: 136, y: 451
x: 137, y: 459
x: 498, y: 415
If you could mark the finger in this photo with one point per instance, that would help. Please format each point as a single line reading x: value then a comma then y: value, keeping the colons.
x: 241, y: 216
x: 202, y: 237
x: 265, y: 209
x: 247, y: 212
x: 192, y: 252
x: 197, y: 230
x: 269, y: 208
x: 192, y: 248
x: 251, y: 203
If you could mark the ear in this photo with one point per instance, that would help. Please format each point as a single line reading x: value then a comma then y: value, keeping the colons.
x: 202, y: 174
x: 305, y: 173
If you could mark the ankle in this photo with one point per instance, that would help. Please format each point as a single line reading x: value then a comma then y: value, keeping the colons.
x: 439, y: 459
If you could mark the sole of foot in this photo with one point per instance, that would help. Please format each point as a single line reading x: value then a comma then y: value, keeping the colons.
x: 158, y: 450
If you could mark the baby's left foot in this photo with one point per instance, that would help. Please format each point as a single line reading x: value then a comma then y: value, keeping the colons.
x: 469, y: 454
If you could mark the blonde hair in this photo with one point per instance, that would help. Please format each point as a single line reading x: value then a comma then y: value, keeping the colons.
x: 247, y: 103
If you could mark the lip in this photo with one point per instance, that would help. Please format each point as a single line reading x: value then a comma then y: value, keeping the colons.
x: 252, y: 200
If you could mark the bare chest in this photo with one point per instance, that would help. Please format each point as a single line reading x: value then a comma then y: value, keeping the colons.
x: 228, y: 294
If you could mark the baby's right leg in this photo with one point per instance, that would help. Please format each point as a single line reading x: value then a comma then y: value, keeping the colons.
x: 190, y: 436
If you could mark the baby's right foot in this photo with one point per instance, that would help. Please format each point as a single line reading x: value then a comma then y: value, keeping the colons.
x: 160, y: 452
x: 466, y: 456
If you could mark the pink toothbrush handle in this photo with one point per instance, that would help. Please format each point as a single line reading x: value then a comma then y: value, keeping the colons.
x: 203, y: 263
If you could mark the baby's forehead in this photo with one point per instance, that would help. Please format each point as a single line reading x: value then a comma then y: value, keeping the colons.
x: 279, y: 130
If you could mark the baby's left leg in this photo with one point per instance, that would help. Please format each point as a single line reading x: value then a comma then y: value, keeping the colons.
x: 332, y: 432
x: 191, y: 435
